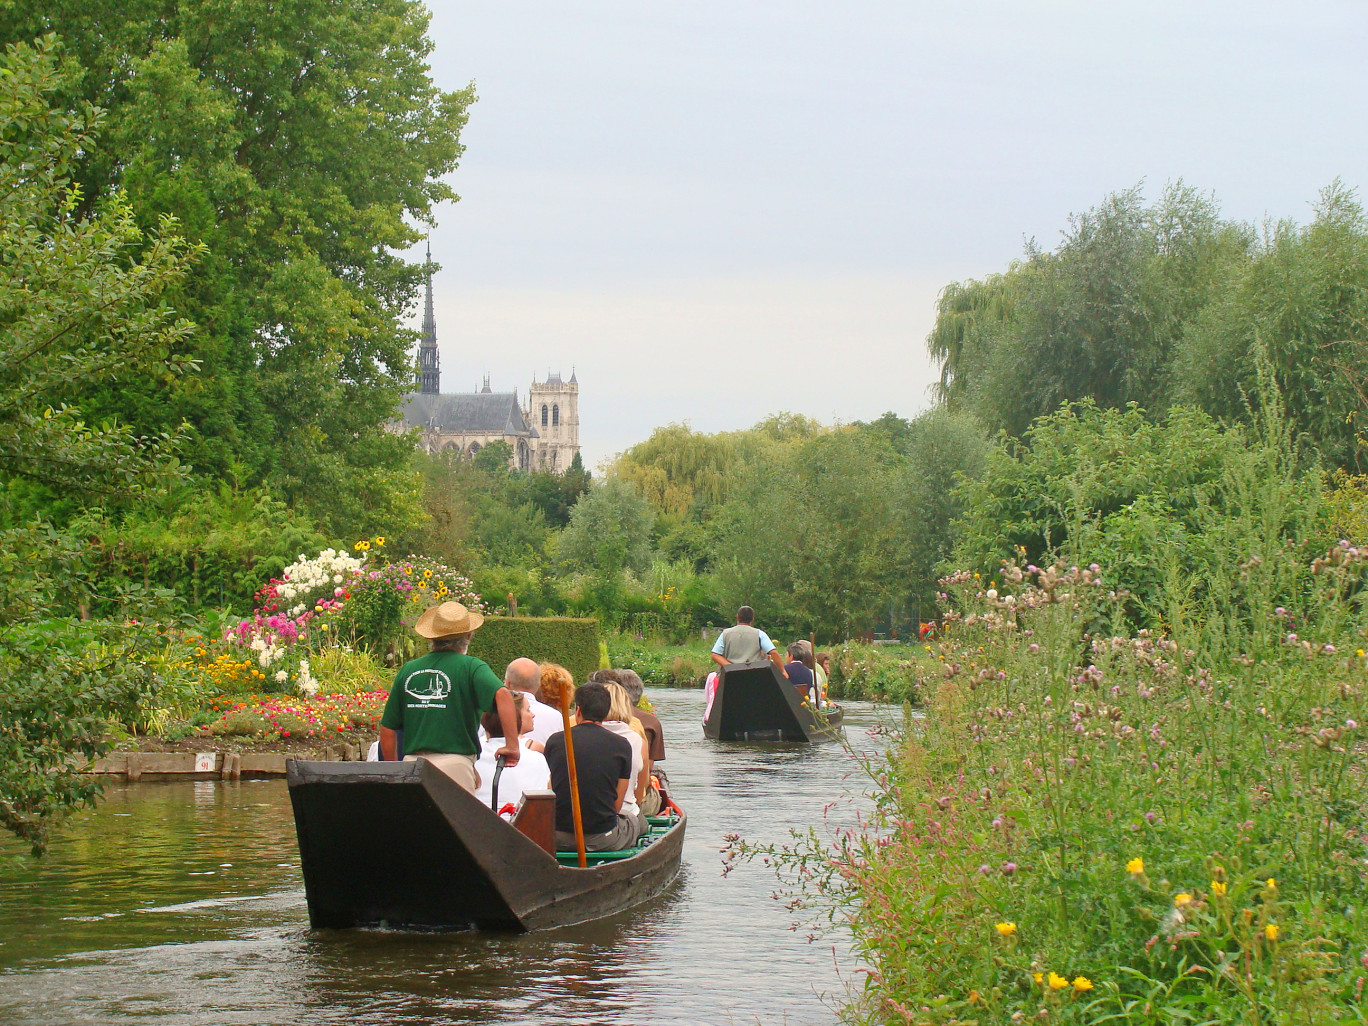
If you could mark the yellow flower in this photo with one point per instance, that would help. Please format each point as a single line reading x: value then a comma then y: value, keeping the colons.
x: 1038, y: 977
x: 1271, y: 931
x: 1081, y: 984
x: 427, y: 574
x: 365, y: 546
x: 1182, y: 900
x: 1218, y: 888
x: 322, y: 626
x: 1135, y: 867
x: 380, y: 539
x: 1006, y: 929
x: 358, y: 546
x: 973, y: 997
x: 1057, y: 982
x: 1272, y: 884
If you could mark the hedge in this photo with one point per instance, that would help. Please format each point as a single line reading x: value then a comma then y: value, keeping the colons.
x: 572, y: 642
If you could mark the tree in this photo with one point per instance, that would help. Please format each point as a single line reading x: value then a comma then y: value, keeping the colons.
x: 609, y: 531
x: 494, y: 457
x: 80, y: 304
x: 304, y: 144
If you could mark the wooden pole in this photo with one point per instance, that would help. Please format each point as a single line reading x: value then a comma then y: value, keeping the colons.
x: 565, y: 696
x: 816, y: 688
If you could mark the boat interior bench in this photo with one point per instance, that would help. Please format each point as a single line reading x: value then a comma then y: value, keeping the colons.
x: 658, y: 825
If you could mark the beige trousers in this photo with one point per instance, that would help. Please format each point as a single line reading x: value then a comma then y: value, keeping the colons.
x: 460, y: 768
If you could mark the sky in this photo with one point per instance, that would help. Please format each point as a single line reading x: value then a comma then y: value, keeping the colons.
x: 713, y: 212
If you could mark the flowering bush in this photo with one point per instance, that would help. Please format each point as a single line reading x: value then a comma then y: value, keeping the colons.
x: 272, y: 717
x: 1176, y: 820
x: 318, y: 601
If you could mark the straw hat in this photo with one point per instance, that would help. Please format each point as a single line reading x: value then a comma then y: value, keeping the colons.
x: 448, y: 618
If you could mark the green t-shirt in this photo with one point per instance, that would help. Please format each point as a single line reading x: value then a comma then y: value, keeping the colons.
x: 437, y: 701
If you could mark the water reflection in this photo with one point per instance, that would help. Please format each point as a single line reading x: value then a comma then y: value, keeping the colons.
x: 181, y: 903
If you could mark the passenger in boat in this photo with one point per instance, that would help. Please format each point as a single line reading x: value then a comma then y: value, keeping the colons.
x: 799, y: 675
x: 822, y: 668
x: 655, y: 735
x: 603, y: 766
x: 524, y: 675
x: 745, y: 643
x: 555, y: 681
x: 622, y: 721
x: 437, y: 699
x: 530, y: 774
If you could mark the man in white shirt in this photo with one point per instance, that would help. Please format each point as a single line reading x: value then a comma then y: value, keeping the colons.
x: 525, y: 675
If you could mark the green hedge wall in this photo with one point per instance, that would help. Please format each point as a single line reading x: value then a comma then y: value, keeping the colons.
x: 573, y: 643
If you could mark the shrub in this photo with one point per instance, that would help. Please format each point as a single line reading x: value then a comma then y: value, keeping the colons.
x: 572, y: 642
x: 886, y: 673
x: 670, y: 666
x: 269, y: 718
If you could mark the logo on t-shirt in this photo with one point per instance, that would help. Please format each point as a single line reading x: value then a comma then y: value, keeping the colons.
x: 428, y: 685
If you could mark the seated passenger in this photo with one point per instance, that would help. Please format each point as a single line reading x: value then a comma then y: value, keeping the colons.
x: 554, y: 679
x: 650, y: 722
x: 603, y: 769
x: 525, y: 675
x: 798, y: 673
x: 621, y: 721
x: 823, y: 671
x: 530, y: 774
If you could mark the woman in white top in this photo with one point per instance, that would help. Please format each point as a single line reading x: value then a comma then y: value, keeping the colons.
x: 530, y: 774
x: 621, y: 722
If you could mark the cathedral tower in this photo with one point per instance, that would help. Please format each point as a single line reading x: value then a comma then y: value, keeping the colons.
x: 553, y: 411
x: 428, y: 373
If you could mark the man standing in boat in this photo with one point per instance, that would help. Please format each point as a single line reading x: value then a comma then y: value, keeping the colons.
x: 437, y: 700
x: 745, y: 643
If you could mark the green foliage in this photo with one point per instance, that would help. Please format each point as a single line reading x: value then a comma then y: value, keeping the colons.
x: 1154, y: 501
x: 885, y: 673
x: 609, y: 531
x: 572, y: 642
x: 303, y: 147
x: 494, y: 457
x: 80, y: 293
x: 662, y: 665
x: 1169, y: 303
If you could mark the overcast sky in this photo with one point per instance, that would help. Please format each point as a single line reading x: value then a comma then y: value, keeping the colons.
x: 716, y: 211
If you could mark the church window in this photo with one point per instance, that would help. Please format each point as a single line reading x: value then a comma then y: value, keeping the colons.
x: 474, y: 448
x: 543, y: 414
x: 555, y: 416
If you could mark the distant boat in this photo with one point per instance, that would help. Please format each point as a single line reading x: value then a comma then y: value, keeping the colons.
x: 399, y: 845
x: 755, y: 702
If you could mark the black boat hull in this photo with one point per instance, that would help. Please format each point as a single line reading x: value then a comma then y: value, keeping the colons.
x: 399, y: 845
x: 754, y: 702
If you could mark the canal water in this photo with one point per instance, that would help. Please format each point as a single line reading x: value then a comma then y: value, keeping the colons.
x: 183, y: 903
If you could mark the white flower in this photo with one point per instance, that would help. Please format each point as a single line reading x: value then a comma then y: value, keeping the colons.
x: 258, y: 645
x: 264, y: 659
x: 281, y: 676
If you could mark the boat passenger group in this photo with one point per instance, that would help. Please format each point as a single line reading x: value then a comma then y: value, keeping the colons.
x: 746, y: 643
x: 451, y: 709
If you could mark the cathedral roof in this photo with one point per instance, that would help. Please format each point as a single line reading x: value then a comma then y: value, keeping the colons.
x: 471, y: 413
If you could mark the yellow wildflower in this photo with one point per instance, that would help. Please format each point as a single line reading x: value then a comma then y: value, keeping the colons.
x: 973, y: 997
x: 1081, y: 984
x: 427, y: 574
x: 1006, y: 929
x: 1182, y: 900
x: 1271, y: 931
x: 380, y: 539
x: 1218, y: 888
x: 1038, y: 977
x: 1135, y: 867
x: 1272, y: 884
x: 1057, y: 982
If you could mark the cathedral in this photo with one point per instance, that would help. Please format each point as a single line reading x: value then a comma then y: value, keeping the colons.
x: 543, y: 432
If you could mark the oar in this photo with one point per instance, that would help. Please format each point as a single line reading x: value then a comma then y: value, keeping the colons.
x: 574, y: 778
x: 816, y: 688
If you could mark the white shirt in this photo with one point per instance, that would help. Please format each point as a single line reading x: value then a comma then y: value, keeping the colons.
x: 530, y: 774
x: 629, y: 803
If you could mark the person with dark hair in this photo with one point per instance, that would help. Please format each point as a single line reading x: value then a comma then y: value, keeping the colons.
x: 799, y: 675
x: 437, y: 700
x: 744, y: 643
x: 603, y: 768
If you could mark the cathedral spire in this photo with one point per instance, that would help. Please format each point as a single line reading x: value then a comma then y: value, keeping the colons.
x: 428, y: 373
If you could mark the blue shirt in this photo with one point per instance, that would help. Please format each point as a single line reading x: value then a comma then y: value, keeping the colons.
x: 766, y: 645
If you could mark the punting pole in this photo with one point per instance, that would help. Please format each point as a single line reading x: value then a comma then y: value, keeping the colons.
x: 574, y: 778
x: 816, y: 688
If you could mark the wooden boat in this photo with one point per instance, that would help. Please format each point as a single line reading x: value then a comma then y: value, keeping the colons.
x: 400, y: 845
x: 754, y: 702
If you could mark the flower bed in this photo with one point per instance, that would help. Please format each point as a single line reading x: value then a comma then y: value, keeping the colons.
x: 275, y: 716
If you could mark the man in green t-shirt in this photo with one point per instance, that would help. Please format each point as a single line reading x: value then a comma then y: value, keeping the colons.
x: 438, y: 698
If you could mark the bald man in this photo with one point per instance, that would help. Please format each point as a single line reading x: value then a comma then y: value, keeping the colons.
x: 525, y: 675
